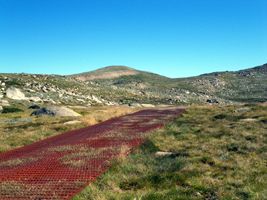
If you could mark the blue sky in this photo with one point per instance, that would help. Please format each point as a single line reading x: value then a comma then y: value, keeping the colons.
x: 175, y: 38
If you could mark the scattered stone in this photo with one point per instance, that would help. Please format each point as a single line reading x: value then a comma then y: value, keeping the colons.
x: 42, y: 111
x: 110, y: 103
x: 242, y: 110
x: 72, y: 122
x: 171, y: 154
x: 34, y: 106
x: 249, y: 120
x: 97, y: 100
x: 163, y: 153
x: 212, y: 101
x: 136, y: 105
x: 44, y: 89
x: 15, y: 93
x: 147, y: 105
x: 30, y: 90
x: 63, y: 111
x: 49, y: 101
x: 4, y: 103
x: 1, y: 108
x: 35, y: 99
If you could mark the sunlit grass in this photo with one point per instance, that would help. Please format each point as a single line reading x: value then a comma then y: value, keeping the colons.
x: 218, y: 155
x: 19, y: 129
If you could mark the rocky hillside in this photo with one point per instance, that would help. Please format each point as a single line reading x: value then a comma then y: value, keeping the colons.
x: 124, y: 85
x: 109, y: 72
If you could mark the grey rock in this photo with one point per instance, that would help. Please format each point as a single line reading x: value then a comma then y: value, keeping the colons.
x: 137, y: 105
x: 42, y: 111
x: 35, y: 99
x: 243, y: 110
x: 4, y: 103
x: 212, y: 101
x: 147, y: 105
x: 72, y: 122
x: 63, y: 111
x: 249, y: 120
x: 15, y: 93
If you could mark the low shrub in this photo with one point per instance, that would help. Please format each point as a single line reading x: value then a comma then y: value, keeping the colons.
x: 11, y: 109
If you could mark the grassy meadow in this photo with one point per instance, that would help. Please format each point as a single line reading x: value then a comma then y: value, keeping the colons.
x: 217, y: 153
x: 18, y: 128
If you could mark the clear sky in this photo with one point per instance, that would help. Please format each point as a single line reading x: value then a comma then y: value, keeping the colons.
x: 175, y: 38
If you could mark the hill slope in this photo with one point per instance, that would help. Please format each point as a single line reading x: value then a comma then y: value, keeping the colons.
x: 106, y: 73
x: 244, y: 85
x: 124, y: 85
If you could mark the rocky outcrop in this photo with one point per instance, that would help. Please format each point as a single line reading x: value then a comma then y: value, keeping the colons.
x: 43, y: 111
x: 63, y: 111
x: 15, y: 93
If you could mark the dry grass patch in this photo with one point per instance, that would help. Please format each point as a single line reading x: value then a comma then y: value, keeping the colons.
x: 19, y: 129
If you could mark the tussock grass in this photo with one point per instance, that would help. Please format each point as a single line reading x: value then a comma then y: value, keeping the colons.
x: 222, y: 158
x: 19, y: 128
x: 99, y: 114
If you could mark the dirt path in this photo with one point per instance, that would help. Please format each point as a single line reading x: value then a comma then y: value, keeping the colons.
x: 61, y: 166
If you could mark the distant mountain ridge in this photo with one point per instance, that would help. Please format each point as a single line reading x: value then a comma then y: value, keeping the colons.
x: 108, y: 72
x: 124, y: 85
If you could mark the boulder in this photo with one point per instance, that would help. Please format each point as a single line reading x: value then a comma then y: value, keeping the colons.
x: 96, y: 99
x: 72, y: 122
x: 34, y: 106
x: 212, y: 101
x: 163, y: 153
x: 49, y: 101
x: 4, y: 103
x: 1, y: 108
x: 63, y: 111
x: 243, y: 110
x: 249, y: 120
x: 42, y: 111
x: 148, y: 105
x: 136, y: 105
x: 15, y: 93
x: 171, y: 154
x: 35, y: 99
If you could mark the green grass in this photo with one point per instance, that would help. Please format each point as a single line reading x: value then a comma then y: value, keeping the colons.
x: 218, y: 155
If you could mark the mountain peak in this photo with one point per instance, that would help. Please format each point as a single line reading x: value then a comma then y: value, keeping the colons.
x: 116, y: 68
x: 108, y: 72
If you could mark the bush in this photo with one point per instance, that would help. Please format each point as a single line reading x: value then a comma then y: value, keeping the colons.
x: 11, y: 110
